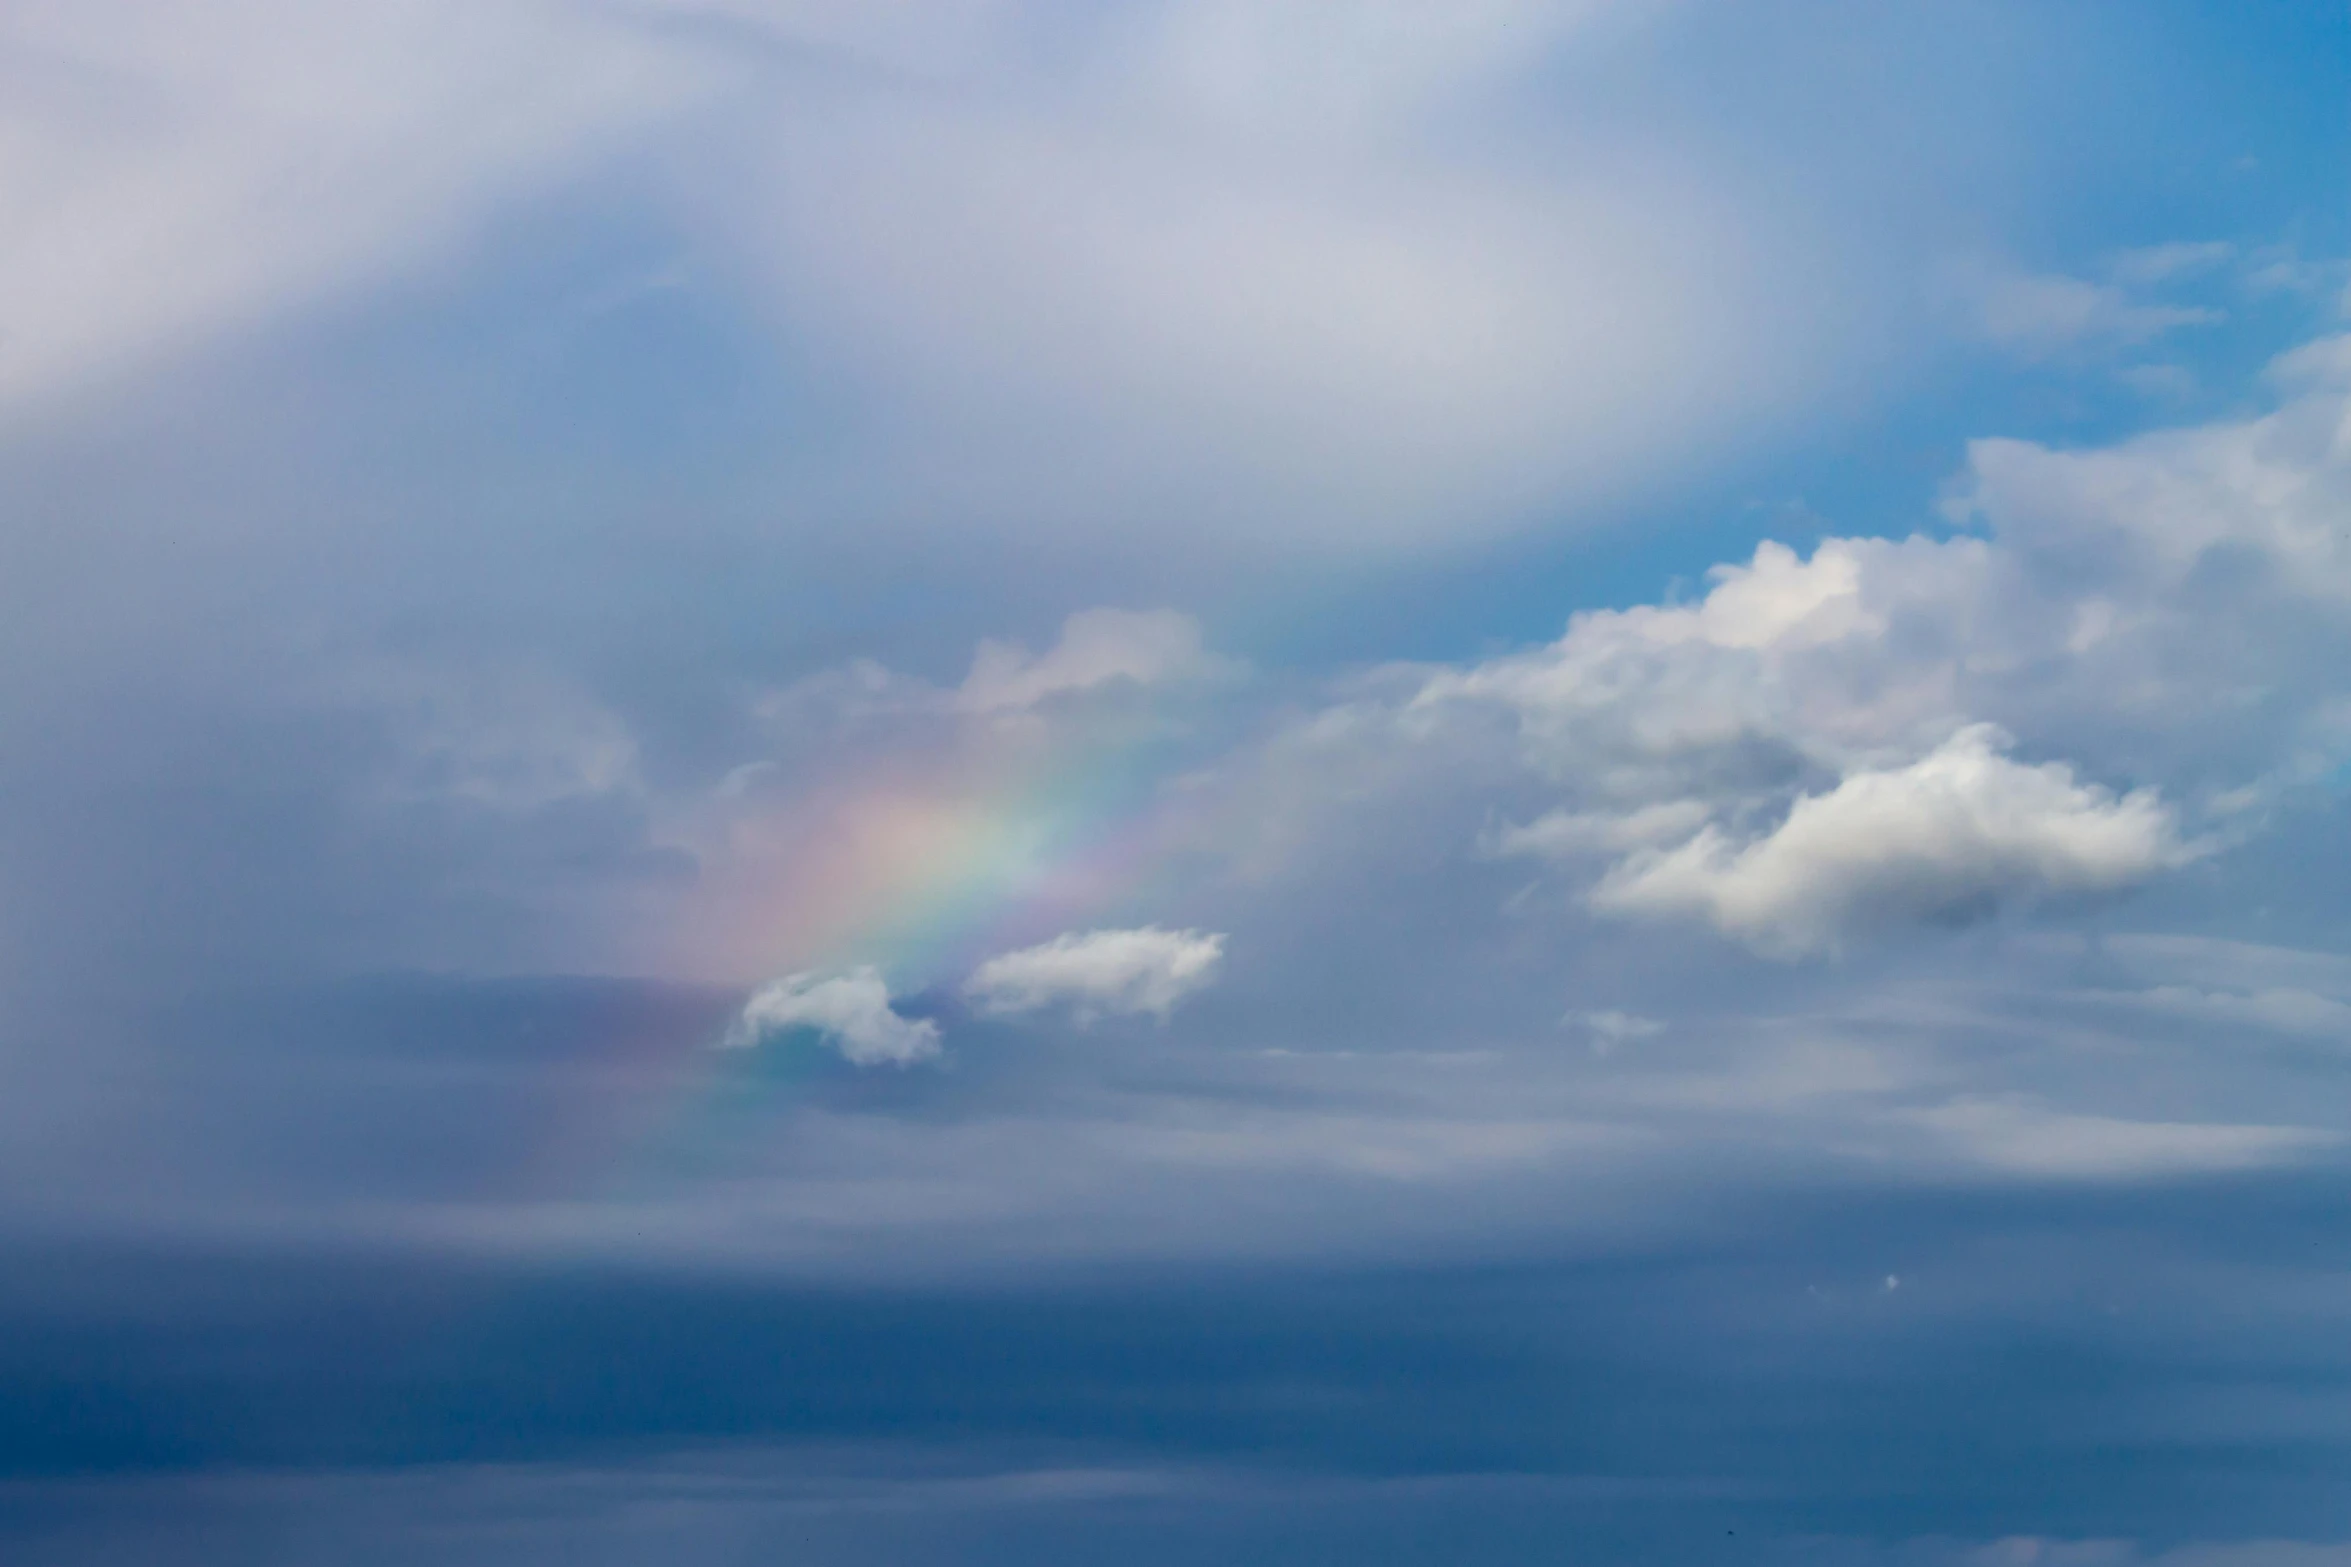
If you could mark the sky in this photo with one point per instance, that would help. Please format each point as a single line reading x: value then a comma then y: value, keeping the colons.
x: 1243, y: 781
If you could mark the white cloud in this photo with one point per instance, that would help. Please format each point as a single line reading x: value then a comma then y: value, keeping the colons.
x: 1097, y: 646
x: 167, y: 173
x: 1612, y: 1030
x: 1349, y: 276
x: 1560, y: 834
x: 1222, y: 269
x: 1302, y: 68
x: 2283, y: 269
x: 2162, y: 381
x: 1960, y: 831
x: 852, y: 1011
x: 2162, y: 263
x: 2148, y: 511
x: 2038, y: 315
x: 512, y: 738
x: 2304, y: 1013
x: 2017, y: 1137
x: 2038, y: 1551
x: 1661, y: 703
x: 2211, y: 964
x: 1101, y: 972
x: 1799, y: 753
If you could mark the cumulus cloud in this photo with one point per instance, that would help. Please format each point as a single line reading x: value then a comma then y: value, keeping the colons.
x: 1955, y: 834
x: 1804, y: 750
x: 852, y: 1011
x: 1782, y: 664
x: 1101, y: 972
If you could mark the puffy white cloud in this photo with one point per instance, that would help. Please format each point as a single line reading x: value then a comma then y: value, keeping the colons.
x: 1101, y: 972
x: 1956, y: 833
x: 1802, y: 751
x: 1354, y: 277
x: 852, y: 1011
x: 1781, y: 664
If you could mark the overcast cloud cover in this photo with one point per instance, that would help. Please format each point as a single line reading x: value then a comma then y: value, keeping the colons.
x: 995, y: 781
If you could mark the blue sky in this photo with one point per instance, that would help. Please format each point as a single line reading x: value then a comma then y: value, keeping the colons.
x: 996, y: 780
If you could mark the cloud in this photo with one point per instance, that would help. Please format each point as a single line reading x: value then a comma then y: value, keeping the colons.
x: 1101, y: 972
x: 276, y: 153
x: 2147, y: 512
x: 1202, y: 275
x: 2163, y: 381
x: 1954, y: 835
x: 2162, y: 263
x: 1262, y: 275
x: 852, y: 1011
x: 1612, y: 1030
x: 512, y: 739
x: 1803, y: 752
x: 1560, y: 834
x: 2020, y: 1138
x: 1097, y: 646
x: 2042, y: 315
x: 2281, y: 1010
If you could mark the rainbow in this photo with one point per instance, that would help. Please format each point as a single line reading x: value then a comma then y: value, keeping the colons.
x: 923, y: 865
